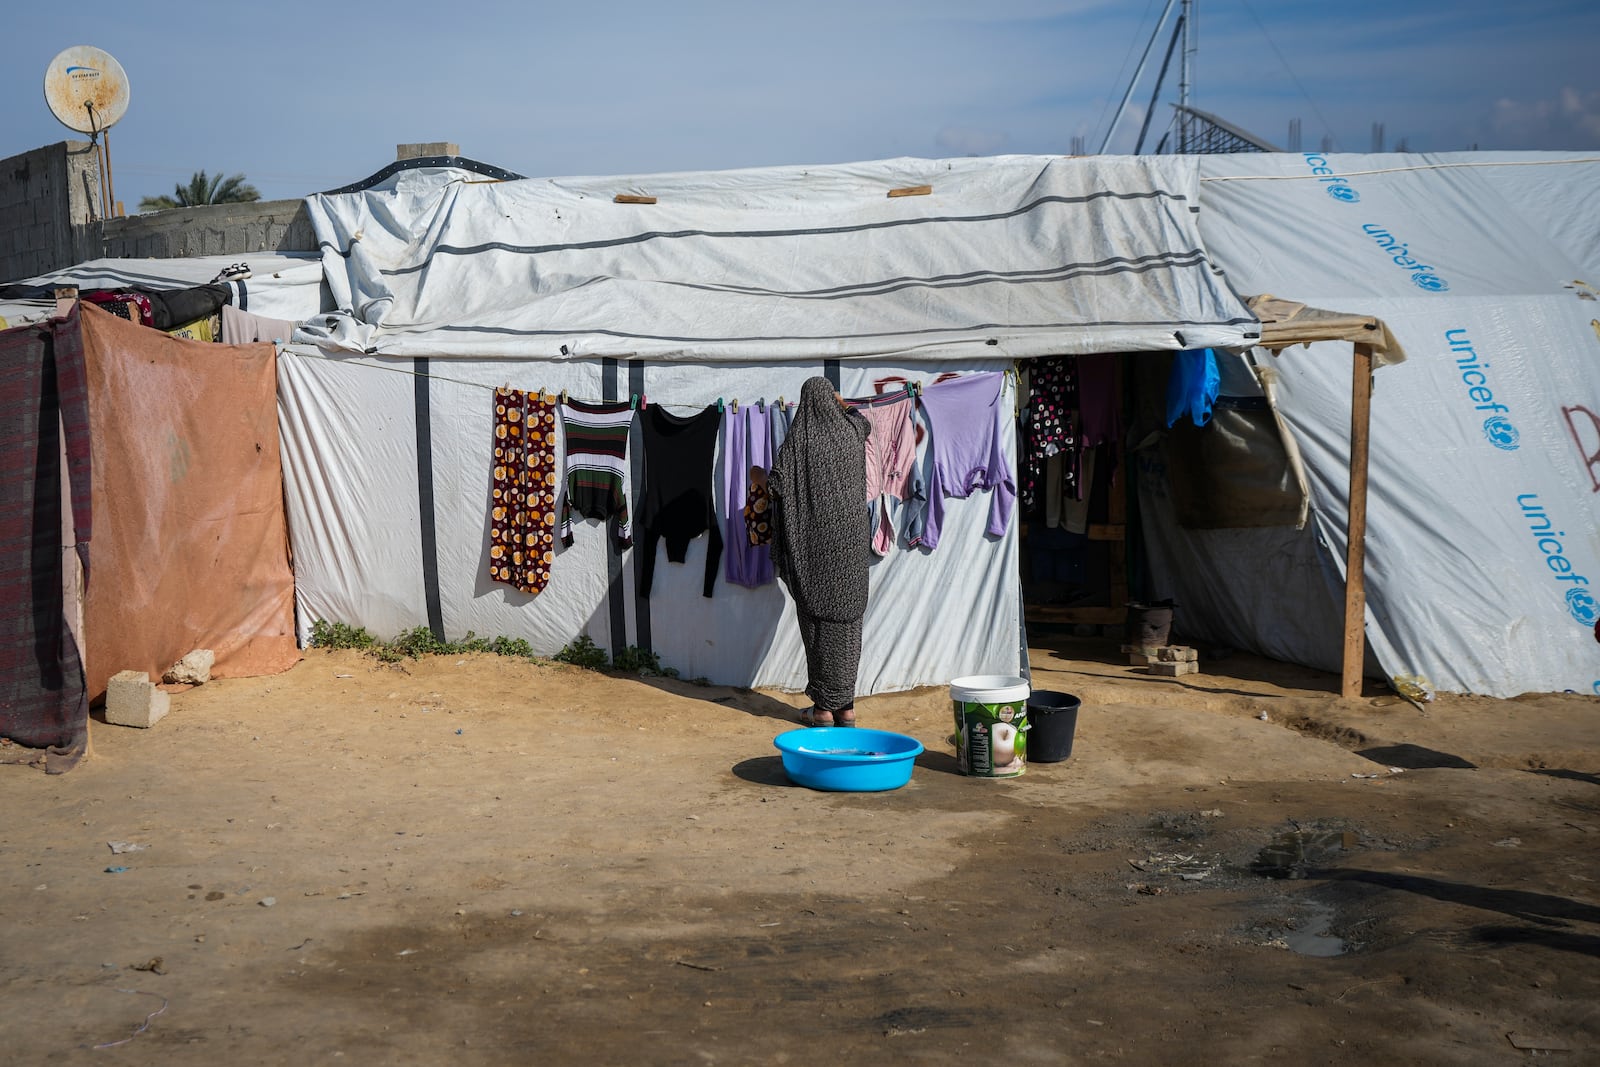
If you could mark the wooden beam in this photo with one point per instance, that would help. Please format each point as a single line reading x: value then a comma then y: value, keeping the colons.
x: 629, y: 198
x: 1355, y: 583
x: 913, y: 190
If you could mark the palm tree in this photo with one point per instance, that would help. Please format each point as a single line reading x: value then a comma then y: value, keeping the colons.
x: 204, y: 190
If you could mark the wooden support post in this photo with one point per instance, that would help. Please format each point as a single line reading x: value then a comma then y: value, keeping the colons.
x: 1355, y: 585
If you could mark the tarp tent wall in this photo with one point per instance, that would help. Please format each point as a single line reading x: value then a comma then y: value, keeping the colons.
x: 1483, y: 544
x: 280, y: 285
x: 735, y: 284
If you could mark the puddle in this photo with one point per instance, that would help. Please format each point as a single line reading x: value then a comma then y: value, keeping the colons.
x: 1311, y: 938
x: 1300, y: 852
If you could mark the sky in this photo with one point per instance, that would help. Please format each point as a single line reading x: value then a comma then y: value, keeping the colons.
x: 301, y: 97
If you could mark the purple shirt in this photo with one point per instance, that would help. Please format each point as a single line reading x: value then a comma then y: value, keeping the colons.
x: 965, y: 426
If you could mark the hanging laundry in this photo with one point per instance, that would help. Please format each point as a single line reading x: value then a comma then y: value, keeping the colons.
x: 1192, y: 386
x: 782, y: 417
x: 1051, y: 426
x: 676, y: 499
x: 891, y: 455
x: 1099, y: 409
x: 243, y: 327
x: 966, y: 428
x: 110, y: 299
x: 597, y: 458
x: 747, y: 454
x: 523, y: 510
x: 207, y: 329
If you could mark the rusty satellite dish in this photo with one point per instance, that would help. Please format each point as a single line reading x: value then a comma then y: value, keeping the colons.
x: 86, y: 88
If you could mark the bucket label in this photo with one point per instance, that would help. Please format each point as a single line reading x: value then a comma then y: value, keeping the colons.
x: 991, y: 739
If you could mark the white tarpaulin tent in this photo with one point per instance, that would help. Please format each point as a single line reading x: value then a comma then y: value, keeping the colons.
x: 1483, y: 524
x: 733, y: 285
x: 279, y: 286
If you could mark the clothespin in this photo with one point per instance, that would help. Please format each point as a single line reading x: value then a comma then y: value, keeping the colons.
x: 633, y: 402
x: 736, y: 405
x: 644, y: 401
x: 780, y: 402
x: 916, y: 387
x: 563, y: 397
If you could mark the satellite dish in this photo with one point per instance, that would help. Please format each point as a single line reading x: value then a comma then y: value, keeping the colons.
x: 86, y: 89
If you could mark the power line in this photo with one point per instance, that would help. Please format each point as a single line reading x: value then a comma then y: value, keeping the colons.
x: 1326, y: 125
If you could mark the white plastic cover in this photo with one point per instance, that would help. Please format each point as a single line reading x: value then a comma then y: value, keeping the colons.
x: 1005, y: 258
x: 280, y: 286
x: 1483, y: 523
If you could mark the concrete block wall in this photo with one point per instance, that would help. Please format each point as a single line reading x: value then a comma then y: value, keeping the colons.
x: 211, y: 230
x: 49, y: 209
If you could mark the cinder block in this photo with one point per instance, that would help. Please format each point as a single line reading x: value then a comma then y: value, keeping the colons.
x: 1174, y: 669
x: 133, y: 700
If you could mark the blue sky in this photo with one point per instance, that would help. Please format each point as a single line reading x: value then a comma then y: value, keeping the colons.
x: 301, y: 96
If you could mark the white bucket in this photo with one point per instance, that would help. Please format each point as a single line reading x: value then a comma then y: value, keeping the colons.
x: 991, y: 713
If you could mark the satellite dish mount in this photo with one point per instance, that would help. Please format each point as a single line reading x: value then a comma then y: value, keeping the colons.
x: 87, y: 91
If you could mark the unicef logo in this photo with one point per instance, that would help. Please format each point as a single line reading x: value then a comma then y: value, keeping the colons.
x: 1501, y: 433
x: 1431, y: 283
x: 1583, y: 606
x: 1344, y: 194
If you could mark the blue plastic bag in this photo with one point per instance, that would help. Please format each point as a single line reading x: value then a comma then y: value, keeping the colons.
x: 1193, y: 385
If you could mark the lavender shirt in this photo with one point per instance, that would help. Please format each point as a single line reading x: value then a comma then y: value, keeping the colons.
x: 965, y: 425
x: 747, y: 443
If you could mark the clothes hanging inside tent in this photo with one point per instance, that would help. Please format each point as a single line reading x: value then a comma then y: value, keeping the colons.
x: 1193, y: 386
x: 676, y: 498
x: 1050, y: 427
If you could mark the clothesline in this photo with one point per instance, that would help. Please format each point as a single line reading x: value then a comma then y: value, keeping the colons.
x: 636, y: 400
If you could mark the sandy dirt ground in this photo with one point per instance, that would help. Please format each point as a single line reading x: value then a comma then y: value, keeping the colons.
x: 477, y: 861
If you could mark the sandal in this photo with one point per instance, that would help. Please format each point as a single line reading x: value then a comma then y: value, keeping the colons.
x: 816, y: 717
x: 845, y: 717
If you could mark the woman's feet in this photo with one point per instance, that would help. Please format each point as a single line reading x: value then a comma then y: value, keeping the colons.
x: 816, y: 717
x: 845, y: 716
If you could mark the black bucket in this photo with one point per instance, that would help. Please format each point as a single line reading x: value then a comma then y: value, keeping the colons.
x: 1052, y: 720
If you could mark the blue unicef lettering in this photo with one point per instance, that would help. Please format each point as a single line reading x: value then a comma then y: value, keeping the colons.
x: 1337, y: 187
x: 1501, y: 433
x: 1597, y: 689
x: 1583, y: 606
x: 1399, y: 252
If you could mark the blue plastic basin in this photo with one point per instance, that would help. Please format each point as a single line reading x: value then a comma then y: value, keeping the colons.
x: 845, y: 759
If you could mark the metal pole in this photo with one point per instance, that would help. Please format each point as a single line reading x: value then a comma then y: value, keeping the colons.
x: 1135, y: 79
x: 1184, y: 120
x: 1166, y: 62
x: 111, y: 192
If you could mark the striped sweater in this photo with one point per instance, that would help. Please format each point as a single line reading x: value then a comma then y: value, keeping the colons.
x: 597, y: 453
